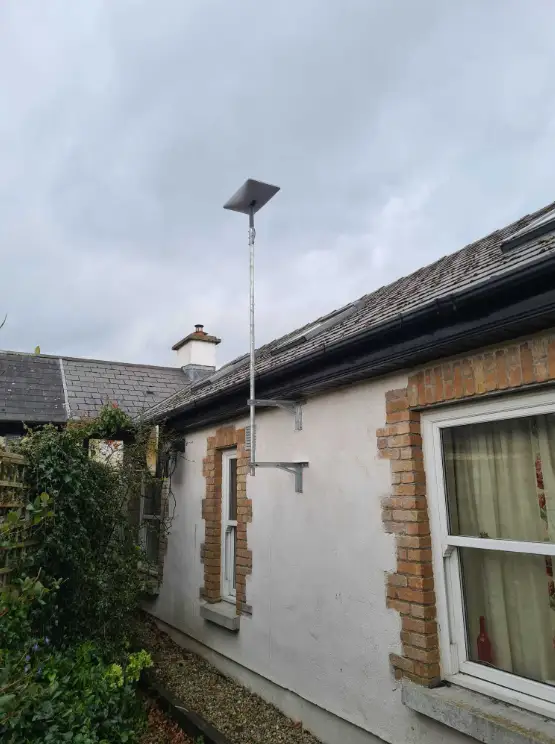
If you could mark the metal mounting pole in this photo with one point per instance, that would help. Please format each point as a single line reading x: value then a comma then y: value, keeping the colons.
x: 251, y: 197
x: 252, y: 235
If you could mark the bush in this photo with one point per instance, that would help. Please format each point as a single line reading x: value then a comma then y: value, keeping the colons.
x: 89, y: 543
x: 65, y: 672
x: 50, y: 694
x: 70, y: 695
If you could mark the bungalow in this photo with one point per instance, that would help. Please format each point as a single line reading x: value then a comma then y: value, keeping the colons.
x: 387, y: 574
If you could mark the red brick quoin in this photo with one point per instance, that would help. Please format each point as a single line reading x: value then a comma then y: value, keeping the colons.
x: 225, y: 438
x: 410, y: 590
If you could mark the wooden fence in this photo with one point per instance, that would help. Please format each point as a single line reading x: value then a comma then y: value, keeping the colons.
x: 12, y: 499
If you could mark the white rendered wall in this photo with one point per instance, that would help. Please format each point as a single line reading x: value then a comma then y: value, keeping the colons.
x: 202, y: 353
x: 320, y: 627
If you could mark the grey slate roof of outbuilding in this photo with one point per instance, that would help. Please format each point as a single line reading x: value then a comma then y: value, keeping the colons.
x: 474, y: 264
x: 40, y: 388
x: 134, y: 387
x: 31, y: 388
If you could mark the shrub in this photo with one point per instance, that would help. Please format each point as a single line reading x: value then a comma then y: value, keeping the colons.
x: 89, y: 543
x: 70, y: 695
x: 67, y: 694
x: 65, y: 672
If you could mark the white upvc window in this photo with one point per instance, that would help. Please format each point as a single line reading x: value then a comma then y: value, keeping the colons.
x: 229, y: 522
x: 490, y: 469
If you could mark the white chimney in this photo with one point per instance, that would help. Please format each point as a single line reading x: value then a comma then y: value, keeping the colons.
x: 196, y: 353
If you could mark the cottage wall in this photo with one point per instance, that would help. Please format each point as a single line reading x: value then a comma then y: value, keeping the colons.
x: 320, y: 632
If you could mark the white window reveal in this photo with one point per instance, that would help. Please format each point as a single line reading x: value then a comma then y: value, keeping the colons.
x: 229, y: 522
x: 491, y: 472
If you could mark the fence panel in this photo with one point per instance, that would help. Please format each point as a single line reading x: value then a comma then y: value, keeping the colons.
x: 12, y: 499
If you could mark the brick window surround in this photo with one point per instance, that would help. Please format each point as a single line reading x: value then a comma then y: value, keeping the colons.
x: 410, y: 589
x: 226, y: 437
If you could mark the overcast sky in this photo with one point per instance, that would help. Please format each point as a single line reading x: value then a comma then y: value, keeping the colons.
x: 398, y: 132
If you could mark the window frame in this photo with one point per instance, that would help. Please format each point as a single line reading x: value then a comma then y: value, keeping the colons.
x: 456, y: 666
x: 229, y: 532
x: 145, y: 518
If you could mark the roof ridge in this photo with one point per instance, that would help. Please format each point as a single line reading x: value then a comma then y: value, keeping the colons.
x: 86, y: 359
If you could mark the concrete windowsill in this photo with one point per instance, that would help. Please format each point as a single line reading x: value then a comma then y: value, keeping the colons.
x: 479, y: 716
x: 148, y: 571
x: 222, y: 614
x: 151, y: 583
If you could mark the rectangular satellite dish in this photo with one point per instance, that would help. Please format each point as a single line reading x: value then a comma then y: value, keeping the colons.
x: 252, y: 194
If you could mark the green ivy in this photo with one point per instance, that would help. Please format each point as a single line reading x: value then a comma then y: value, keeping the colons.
x: 111, y: 421
x: 89, y: 542
x: 65, y: 671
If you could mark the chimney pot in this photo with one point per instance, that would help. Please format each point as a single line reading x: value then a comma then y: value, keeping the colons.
x: 199, y: 328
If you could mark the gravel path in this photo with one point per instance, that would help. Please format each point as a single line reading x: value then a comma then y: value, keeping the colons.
x: 239, y: 714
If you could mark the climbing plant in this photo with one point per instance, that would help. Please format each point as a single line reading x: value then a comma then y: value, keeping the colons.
x: 89, y: 543
x: 65, y: 669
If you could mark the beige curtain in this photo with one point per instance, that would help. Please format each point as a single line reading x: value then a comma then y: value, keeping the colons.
x: 500, y: 479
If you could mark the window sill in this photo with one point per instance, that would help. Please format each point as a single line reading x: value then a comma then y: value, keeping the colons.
x: 151, y: 586
x: 151, y: 580
x: 148, y: 571
x: 222, y: 614
x: 479, y: 716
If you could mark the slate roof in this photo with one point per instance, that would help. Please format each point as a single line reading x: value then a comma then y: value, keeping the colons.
x: 40, y: 388
x: 134, y: 387
x: 31, y: 388
x: 474, y: 264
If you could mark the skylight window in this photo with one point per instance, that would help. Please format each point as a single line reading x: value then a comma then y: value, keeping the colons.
x: 222, y: 372
x: 303, y: 335
x: 541, y: 226
x: 318, y: 327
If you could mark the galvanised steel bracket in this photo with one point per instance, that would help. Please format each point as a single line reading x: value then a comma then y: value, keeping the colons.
x: 293, y: 406
x: 291, y: 467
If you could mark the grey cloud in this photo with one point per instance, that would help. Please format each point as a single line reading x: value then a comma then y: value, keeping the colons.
x: 398, y: 132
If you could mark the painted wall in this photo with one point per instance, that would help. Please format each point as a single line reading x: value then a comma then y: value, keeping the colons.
x: 202, y: 353
x: 319, y: 626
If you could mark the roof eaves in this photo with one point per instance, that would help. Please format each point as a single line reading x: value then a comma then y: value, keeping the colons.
x: 416, y: 315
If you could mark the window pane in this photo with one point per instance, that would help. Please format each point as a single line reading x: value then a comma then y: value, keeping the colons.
x: 500, y: 478
x: 232, y: 500
x: 229, y: 568
x: 152, y: 541
x: 152, y: 496
x: 510, y: 612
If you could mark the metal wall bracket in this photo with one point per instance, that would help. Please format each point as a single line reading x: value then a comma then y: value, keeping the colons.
x: 291, y: 467
x: 293, y: 406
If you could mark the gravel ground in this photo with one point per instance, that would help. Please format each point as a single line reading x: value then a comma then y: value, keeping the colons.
x: 239, y: 714
x: 161, y: 729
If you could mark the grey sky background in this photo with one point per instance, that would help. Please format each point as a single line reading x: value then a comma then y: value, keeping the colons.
x: 398, y: 132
